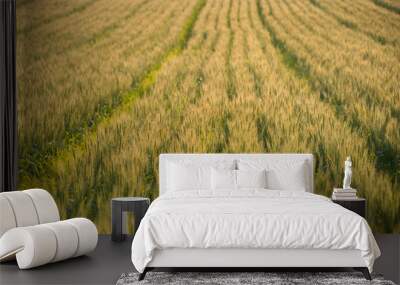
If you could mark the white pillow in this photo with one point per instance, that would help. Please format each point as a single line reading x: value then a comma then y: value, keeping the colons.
x: 223, y: 179
x: 251, y: 178
x: 188, y: 177
x: 281, y: 175
x: 292, y: 179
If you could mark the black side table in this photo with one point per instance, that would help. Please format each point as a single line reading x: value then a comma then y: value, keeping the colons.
x: 137, y: 205
x: 357, y: 205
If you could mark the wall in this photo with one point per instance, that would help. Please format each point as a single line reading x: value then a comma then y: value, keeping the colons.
x: 106, y: 86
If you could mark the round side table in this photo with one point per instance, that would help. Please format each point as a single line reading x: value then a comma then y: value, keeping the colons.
x: 119, y: 206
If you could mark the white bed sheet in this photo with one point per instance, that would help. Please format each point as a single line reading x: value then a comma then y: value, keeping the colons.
x: 251, y: 218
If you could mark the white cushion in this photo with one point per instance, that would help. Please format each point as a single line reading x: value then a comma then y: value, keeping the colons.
x: 67, y: 240
x: 87, y: 233
x: 290, y: 178
x: 281, y: 175
x: 188, y: 177
x: 7, y: 218
x: 34, y: 244
x: 46, y: 207
x: 23, y: 208
x: 223, y: 179
x: 27, y: 208
x: 251, y: 178
x: 40, y: 244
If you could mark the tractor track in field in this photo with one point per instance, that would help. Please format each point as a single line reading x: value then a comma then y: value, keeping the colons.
x: 139, y: 88
x: 349, y: 24
x: 387, y: 6
x: 387, y: 156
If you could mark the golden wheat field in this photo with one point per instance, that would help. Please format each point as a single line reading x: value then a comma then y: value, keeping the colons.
x: 106, y: 86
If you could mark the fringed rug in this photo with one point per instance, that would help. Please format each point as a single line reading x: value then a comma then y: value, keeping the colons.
x: 269, y: 278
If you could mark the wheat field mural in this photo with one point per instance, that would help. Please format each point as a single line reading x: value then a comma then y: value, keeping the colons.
x: 106, y: 86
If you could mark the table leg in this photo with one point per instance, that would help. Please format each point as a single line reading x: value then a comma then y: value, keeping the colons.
x: 116, y: 222
x: 139, y: 212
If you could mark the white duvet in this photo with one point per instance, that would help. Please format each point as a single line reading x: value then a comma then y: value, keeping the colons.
x: 252, y: 218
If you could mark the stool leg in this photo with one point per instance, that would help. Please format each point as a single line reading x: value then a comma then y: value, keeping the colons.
x: 139, y: 212
x: 116, y: 222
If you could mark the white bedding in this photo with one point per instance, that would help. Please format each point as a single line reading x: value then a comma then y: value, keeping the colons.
x: 251, y: 218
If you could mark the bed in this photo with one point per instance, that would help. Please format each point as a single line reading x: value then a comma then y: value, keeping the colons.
x: 253, y: 210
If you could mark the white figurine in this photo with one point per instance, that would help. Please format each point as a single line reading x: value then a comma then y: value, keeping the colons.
x: 347, y: 173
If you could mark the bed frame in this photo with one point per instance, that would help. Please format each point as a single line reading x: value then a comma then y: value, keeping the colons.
x: 242, y: 259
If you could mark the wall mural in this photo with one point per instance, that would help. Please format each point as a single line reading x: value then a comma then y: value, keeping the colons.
x: 106, y: 86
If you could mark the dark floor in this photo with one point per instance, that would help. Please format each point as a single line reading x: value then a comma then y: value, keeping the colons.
x: 110, y: 260
x: 389, y: 262
x: 103, y: 266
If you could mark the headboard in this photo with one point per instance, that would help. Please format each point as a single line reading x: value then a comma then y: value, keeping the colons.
x: 200, y: 158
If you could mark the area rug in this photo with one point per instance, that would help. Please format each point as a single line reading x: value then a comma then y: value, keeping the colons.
x: 269, y: 278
